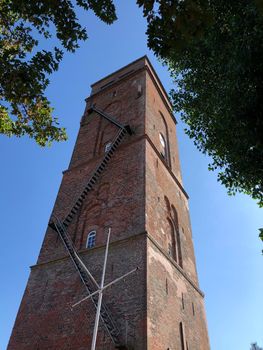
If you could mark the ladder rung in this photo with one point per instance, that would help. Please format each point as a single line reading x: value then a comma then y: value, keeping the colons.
x: 67, y: 221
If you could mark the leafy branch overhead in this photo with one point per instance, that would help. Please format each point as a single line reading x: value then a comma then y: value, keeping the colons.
x: 213, y: 48
x: 24, y: 109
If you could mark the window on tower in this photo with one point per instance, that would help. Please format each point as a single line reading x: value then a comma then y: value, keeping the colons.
x: 163, y: 146
x: 91, y: 239
x: 171, y: 248
x: 174, y: 217
x: 107, y: 147
x: 164, y: 140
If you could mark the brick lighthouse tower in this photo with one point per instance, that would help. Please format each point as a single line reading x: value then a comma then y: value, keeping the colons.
x: 125, y: 174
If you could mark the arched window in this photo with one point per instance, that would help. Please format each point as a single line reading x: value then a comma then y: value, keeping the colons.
x: 107, y: 147
x: 91, y: 239
x: 174, y: 216
x: 179, y: 247
x: 177, y: 236
x: 171, y: 242
x: 165, y: 137
x: 163, y: 146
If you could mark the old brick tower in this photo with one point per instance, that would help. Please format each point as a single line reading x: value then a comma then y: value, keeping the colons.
x: 125, y: 174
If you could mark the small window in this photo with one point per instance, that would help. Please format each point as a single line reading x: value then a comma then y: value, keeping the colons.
x: 91, y: 239
x: 163, y: 147
x: 108, y: 147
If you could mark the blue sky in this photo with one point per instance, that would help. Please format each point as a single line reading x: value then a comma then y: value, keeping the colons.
x: 225, y: 229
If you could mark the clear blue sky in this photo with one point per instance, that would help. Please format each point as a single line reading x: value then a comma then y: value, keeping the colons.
x: 225, y: 229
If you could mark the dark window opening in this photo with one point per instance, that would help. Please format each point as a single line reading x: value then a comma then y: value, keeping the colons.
x: 166, y: 141
x: 91, y: 239
x: 172, y: 246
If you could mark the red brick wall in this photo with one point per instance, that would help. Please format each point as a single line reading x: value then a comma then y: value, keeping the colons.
x: 166, y: 207
x: 134, y: 196
x: 165, y: 286
x: 45, y: 319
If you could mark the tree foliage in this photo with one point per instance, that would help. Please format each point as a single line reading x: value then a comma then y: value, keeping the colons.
x: 24, y: 109
x: 214, y: 50
x: 254, y: 346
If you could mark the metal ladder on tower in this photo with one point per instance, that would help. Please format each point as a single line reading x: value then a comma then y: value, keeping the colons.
x: 95, y: 176
x: 105, y: 316
x: 60, y: 227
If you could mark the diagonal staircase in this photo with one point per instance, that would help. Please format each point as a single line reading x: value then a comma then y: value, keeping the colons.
x: 95, y: 176
x: 105, y: 316
x: 61, y: 227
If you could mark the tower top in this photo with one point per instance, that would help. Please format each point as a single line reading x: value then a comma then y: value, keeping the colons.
x: 142, y: 63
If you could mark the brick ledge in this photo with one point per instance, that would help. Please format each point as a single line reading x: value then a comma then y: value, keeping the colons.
x: 89, y: 251
x: 114, y: 243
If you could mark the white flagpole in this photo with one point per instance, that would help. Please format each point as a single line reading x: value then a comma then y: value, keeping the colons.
x: 94, y: 338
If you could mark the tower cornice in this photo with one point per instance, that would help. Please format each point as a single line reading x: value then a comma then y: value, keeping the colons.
x: 117, y: 77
